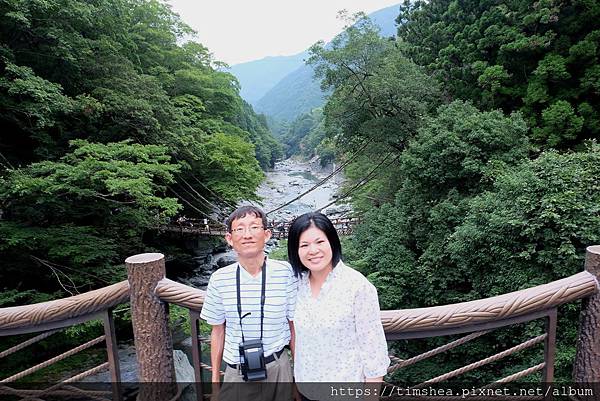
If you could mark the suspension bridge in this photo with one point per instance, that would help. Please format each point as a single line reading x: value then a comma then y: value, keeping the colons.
x: 279, y: 229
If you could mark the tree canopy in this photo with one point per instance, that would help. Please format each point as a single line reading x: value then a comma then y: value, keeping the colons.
x: 112, y: 121
x: 471, y: 146
x: 538, y: 57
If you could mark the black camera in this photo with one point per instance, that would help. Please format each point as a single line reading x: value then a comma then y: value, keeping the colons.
x: 252, y: 358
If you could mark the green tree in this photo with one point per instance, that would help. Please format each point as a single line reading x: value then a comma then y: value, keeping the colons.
x: 379, y: 100
x: 110, y: 77
x: 537, y: 57
x: 87, y: 209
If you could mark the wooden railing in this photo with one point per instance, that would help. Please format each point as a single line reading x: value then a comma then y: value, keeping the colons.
x: 51, y: 317
x: 150, y: 292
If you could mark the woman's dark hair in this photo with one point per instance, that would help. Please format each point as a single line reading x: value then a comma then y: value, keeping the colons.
x: 303, y: 223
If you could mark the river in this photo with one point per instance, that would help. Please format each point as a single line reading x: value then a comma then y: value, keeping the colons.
x: 291, y: 178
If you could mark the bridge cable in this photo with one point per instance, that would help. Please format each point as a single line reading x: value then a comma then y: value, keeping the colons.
x: 188, y: 193
x: 318, y: 184
x: 362, y: 182
x: 194, y: 207
x: 217, y: 197
x: 201, y: 198
x: 222, y: 200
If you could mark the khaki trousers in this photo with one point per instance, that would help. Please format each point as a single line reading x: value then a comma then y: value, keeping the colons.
x: 277, y: 386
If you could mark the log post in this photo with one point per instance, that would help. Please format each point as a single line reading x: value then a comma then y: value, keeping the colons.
x: 587, y: 360
x: 150, y: 320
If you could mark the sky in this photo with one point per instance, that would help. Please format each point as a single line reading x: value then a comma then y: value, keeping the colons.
x: 236, y: 31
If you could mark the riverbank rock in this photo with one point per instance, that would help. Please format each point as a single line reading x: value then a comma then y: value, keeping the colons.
x: 184, y: 372
x: 225, y: 259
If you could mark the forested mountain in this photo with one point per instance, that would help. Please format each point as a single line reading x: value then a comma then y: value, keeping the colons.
x: 296, y: 93
x: 299, y: 92
x: 110, y: 126
x: 472, y: 156
x: 257, y: 77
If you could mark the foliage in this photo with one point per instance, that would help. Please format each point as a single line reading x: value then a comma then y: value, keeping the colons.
x: 452, y: 159
x: 493, y: 225
x: 108, y: 111
x: 378, y: 94
x: 70, y: 211
x: 534, y: 224
x: 304, y: 134
x: 379, y: 99
x: 537, y: 57
x: 280, y: 252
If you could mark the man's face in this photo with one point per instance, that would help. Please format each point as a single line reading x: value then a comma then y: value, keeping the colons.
x: 248, y: 236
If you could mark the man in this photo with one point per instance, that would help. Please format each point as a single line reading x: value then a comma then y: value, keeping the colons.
x: 267, y: 318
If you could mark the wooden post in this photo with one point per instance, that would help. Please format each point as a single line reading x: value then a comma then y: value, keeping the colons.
x: 587, y: 360
x: 197, y: 354
x: 150, y: 319
x: 113, y: 355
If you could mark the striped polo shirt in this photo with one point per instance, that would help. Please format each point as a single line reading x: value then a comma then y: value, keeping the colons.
x: 220, y: 306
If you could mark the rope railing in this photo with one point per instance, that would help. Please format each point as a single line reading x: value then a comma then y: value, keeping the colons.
x: 95, y: 395
x: 32, y: 318
x: 516, y: 307
x: 180, y: 294
x: 540, y: 298
x: 27, y: 343
x: 464, y: 314
x: 402, y: 363
x: 519, y: 375
x: 524, y: 345
x: 49, y: 362
x: 148, y: 290
x: 54, y: 316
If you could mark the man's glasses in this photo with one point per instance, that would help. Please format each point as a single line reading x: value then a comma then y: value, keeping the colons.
x: 252, y: 230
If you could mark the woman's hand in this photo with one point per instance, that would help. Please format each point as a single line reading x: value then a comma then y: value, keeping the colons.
x: 374, y: 385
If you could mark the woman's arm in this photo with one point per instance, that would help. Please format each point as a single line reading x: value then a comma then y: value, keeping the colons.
x: 371, y: 338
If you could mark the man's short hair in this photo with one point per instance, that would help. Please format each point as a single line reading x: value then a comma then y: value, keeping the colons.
x: 242, y: 211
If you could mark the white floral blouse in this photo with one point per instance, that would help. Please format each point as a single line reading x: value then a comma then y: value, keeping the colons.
x: 339, y: 336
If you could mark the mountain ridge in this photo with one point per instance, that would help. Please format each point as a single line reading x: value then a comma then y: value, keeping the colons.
x: 296, y: 92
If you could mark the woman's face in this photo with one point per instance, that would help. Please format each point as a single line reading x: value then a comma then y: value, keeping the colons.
x: 314, y: 250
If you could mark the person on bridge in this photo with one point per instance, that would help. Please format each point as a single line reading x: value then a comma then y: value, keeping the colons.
x: 339, y: 336
x: 250, y: 305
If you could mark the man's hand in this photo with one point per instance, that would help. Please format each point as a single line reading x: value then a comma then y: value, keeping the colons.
x: 296, y: 393
x: 217, y: 343
x: 216, y: 388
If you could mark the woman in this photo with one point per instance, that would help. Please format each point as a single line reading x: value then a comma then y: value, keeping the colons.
x: 339, y: 336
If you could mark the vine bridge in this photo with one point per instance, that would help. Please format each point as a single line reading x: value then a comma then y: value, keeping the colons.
x: 279, y: 229
x: 148, y: 293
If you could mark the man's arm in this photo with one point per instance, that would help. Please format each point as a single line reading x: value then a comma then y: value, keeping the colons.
x: 217, y: 343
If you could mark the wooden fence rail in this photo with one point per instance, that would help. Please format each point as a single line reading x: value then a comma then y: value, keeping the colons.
x: 149, y: 293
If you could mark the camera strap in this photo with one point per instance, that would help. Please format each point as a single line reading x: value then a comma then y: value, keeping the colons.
x: 262, y: 298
